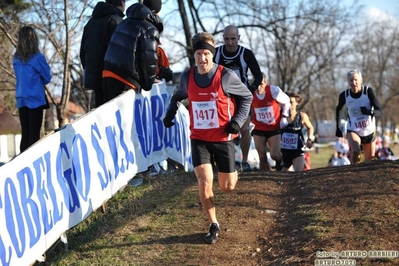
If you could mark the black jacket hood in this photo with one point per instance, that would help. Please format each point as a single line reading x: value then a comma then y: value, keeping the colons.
x: 103, y: 9
x: 141, y: 12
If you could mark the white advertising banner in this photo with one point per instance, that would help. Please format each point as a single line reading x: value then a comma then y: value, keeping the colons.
x: 62, y: 179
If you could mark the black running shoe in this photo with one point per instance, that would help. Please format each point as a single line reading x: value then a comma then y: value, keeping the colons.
x: 212, y: 236
x: 238, y: 167
x: 246, y: 167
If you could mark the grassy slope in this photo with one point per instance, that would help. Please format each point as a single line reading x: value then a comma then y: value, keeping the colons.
x: 271, y: 219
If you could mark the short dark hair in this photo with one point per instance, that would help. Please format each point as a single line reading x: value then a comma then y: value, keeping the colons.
x: 115, y: 2
x: 202, y: 36
x: 154, y: 5
x: 295, y: 95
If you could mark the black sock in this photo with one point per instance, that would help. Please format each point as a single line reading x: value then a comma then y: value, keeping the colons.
x: 279, y: 165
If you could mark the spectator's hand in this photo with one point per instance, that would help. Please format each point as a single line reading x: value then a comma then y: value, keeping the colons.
x: 283, y: 122
x: 364, y: 110
x: 232, y: 128
x: 338, y: 133
x: 168, y: 121
x: 146, y: 88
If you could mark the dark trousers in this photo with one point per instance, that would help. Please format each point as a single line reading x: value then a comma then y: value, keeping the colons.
x: 112, y: 88
x: 31, y: 122
x: 97, y: 98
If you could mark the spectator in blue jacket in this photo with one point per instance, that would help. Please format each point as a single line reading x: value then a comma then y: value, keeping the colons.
x: 32, y: 73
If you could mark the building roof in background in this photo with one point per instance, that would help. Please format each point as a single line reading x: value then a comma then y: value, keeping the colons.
x: 9, y: 124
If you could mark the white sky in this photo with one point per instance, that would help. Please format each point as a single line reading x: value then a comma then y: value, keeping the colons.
x: 389, y: 6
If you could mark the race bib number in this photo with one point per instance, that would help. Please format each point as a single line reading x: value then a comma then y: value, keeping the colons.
x: 363, y: 125
x: 265, y: 115
x: 289, y: 141
x: 205, y: 115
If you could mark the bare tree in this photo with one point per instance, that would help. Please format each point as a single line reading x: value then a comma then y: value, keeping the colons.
x: 7, y: 44
x: 306, y: 46
x: 62, y: 26
x: 299, y: 43
x: 59, y: 24
x: 376, y: 53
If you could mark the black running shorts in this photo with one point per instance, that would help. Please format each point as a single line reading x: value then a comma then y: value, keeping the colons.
x: 222, y: 153
x: 366, y: 139
x: 267, y: 134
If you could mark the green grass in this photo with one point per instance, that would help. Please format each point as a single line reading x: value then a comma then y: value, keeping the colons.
x: 320, y: 159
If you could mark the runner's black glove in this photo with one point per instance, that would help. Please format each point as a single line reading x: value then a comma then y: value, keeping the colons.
x: 232, y: 128
x: 168, y: 120
x: 365, y: 111
x: 338, y: 133
x: 252, y: 88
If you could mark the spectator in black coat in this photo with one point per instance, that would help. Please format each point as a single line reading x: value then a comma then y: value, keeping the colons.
x: 131, y: 58
x: 96, y: 36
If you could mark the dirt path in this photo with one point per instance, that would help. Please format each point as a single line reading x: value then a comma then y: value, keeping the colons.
x: 272, y: 218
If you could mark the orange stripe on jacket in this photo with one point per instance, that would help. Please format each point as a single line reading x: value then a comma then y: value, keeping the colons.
x: 109, y: 74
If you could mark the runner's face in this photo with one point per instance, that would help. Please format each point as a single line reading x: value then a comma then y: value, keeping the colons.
x: 293, y: 103
x: 355, y: 82
x: 231, y: 39
x: 204, y: 60
x: 262, y: 87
